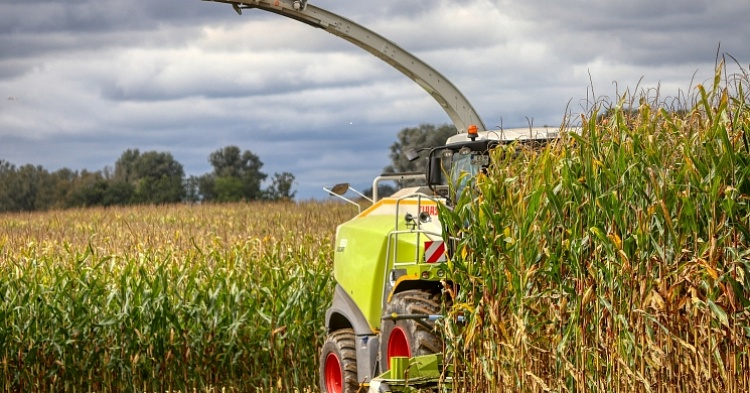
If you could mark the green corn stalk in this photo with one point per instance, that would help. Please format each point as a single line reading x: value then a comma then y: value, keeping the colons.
x: 169, y: 298
x: 614, y: 260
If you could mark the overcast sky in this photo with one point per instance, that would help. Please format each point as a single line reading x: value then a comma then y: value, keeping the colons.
x: 81, y: 81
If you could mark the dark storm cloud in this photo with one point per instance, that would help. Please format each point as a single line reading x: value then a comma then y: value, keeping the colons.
x: 11, y: 69
x: 101, y: 15
x: 90, y: 79
x: 28, y: 29
x: 638, y: 32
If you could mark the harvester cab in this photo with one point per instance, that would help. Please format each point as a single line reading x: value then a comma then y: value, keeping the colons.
x: 450, y: 168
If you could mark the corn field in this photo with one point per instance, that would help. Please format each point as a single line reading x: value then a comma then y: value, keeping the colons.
x: 614, y: 260
x: 617, y: 260
x: 168, y: 298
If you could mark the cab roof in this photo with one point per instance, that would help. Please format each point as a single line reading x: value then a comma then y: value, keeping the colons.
x: 511, y: 134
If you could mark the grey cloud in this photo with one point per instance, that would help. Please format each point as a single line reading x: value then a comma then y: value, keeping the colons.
x: 94, y: 78
x: 278, y: 82
x: 13, y: 68
x: 101, y: 15
x: 637, y: 32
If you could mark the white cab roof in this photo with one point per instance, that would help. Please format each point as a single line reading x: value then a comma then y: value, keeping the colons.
x: 512, y: 134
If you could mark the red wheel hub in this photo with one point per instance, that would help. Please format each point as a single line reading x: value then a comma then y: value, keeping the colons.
x: 398, y: 344
x: 334, y: 379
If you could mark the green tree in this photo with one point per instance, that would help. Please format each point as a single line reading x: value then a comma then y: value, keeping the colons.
x: 150, y: 177
x: 62, y: 182
x: 281, y: 187
x: 159, y: 178
x: 8, y: 185
x: 206, y: 187
x: 228, y: 189
x: 117, y: 193
x: 423, y: 136
x: 231, y: 163
x: 125, y: 167
x: 24, y: 188
x: 88, y: 189
x: 192, y: 189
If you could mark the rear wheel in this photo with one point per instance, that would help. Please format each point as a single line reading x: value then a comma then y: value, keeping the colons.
x: 409, y: 337
x: 338, y: 363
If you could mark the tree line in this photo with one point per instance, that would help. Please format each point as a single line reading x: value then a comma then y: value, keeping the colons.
x: 157, y: 178
x: 141, y: 178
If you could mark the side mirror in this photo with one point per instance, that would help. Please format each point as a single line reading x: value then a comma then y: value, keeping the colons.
x: 412, y: 154
x: 340, y: 189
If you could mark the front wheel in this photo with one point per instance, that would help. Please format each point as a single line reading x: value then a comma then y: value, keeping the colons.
x: 338, y: 363
x: 409, y: 337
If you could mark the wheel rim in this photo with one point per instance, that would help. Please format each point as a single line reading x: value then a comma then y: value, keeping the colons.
x: 334, y: 380
x: 398, y: 344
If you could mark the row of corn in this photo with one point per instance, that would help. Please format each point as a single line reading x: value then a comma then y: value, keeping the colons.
x: 616, y: 260
x: 177, y: 298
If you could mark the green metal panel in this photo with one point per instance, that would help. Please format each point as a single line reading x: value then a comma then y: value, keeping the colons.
x: 360, y: 258
x: 426, y: 372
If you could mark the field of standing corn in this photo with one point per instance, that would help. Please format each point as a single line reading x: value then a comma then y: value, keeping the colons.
x: 617, y: 260
x: 155, y: 299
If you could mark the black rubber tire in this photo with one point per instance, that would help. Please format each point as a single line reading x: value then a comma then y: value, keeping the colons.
x: 341, y: 345
x: 421, y: 335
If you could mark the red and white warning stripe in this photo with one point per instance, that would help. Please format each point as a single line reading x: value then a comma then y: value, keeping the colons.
x: 434, y: 251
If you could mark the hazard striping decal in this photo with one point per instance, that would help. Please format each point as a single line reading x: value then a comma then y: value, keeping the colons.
x: 434, y: 251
